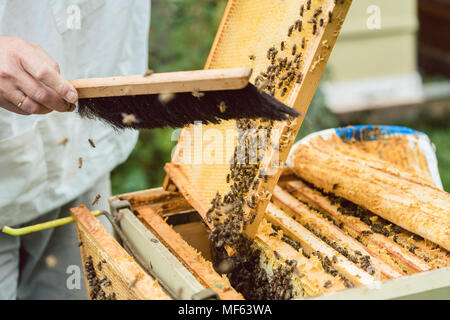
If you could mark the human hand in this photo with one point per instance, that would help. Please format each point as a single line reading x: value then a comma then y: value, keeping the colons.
x: 30, y: 81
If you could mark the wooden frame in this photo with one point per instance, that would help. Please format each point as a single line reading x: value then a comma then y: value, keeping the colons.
x: 239, y: 28
x: 115, y: 271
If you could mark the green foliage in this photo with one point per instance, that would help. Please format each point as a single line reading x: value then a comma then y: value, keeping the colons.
x: 440, y: 137
x: 319, y: 117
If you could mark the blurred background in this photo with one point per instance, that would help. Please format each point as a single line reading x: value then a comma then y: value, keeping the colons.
x: 391, y: 65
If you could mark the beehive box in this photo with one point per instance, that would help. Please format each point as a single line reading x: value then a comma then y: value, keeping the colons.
x: 305, y: 248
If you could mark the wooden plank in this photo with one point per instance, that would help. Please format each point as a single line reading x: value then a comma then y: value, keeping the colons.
x: 313, y: 244
x: 164, y: 202
x: 168, y: 82
x: 394, y: 195
x: 311, y: 278
x: 403, y: 257
x: 191, y: 258
x: 248, y: 29
x: 354, y: 249
x: 127, y: 280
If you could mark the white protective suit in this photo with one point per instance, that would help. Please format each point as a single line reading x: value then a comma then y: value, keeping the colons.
x: 88, y: 38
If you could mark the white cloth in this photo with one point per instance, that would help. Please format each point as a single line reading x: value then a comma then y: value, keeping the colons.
x: 37, y: 173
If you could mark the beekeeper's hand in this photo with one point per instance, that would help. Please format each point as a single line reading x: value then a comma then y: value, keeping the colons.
x: 30, y: 81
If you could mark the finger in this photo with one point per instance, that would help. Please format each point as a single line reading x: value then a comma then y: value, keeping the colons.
x: 11, y: 97
x: 33, y: 107
x: 46, y: 58
x: 10, y: 107
x: 40, y: 93
x: 47, y: 74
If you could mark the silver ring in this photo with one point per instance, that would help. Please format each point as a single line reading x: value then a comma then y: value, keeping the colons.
x: 19, y: 105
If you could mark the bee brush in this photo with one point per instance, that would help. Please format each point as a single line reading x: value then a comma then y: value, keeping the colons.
x: 176, y: 99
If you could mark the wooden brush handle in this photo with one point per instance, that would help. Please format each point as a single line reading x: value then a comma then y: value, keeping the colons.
x: 170, y: 82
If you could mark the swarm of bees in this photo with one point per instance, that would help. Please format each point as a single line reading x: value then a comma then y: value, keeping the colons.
x: 227, y: 213
x: 95, y: 283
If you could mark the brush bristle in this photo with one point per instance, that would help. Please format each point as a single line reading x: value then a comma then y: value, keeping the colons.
x: 181, y: 109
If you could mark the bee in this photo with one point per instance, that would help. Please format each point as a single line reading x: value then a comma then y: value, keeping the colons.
x: 166, y: 97
x: 299, y: 77
x: 308, y: 5
x: 80, y: 162
x: 321, y: 22
x: 291, y: 28
x: 314, y: 29
x: 330, y: 16
x: 282, y: 45
x: 274, y: 54
x: 314, y: 21
x: 276, y: 254
x: 300, y: 24
x: 128, y: 119
x: 335, y: 186
x: 222, y: 107
x: 133, y: 283
x: 198, y: 94
x: 91, y: 142
x: 228, y: 178
x: 95, y: 201
x: 294, y: 49
x: 149, y: 73
x: 317, y: 12
x: 303, y: 42
x: 63, y: 141
x: 283, y: 93
x: 252, y: 57
x: 302, y: 9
